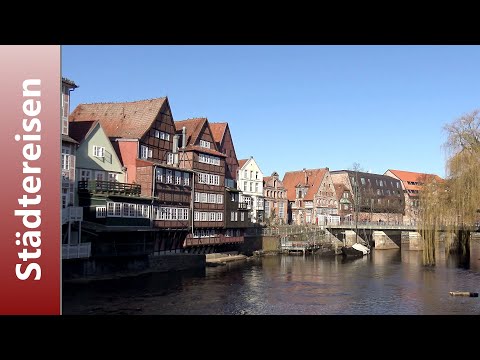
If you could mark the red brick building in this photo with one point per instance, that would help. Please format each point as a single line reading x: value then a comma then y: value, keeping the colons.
x: 275, y: 199
x: 202, y: 156
x: 143, y: 136
x: 412, y: 183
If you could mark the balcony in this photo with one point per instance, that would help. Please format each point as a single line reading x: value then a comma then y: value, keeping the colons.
x: 109, y: 187
x: 72, y: 213
x: 83, y: 250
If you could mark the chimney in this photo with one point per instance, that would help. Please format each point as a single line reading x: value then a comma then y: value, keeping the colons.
x: 175, y: 144
x: 184, y: 137
x: 305, y: 175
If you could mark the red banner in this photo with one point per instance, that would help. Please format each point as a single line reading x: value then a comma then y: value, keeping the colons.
x: 30, y: 186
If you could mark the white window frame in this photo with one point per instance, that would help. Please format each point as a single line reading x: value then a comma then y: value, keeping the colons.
x: 170, y: 158
x: 186, y: 179
x: 99, y: 151
x: 242, y: 216
x: 101, y: 212
x: 205, y: 144
x: 157, y: 134
x: 145, y: 152
x: 219, y: 199
x: 219, y: 216
x: 196, y: 216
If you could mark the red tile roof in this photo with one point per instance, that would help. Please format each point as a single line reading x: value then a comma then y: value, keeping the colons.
x: 192, y: 128
x: 294, y: 178
x: 123, y: 119
x: 406, y: 176
x: 80, y: 130
x: 339, y: 190
x: 204, y: 150
x: 242, y: 162
x: 218, y: 131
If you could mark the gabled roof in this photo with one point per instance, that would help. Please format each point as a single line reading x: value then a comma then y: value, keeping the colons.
x: 413, y: 176
x: 122, y: 119
x: 242, y: 162
x: 192, y: 128
x: 410, y: 176
x: 218, y: 131
x: 268, y: 181
x: 339, y: 190
x: 292, y: 179
x: 80, y: 130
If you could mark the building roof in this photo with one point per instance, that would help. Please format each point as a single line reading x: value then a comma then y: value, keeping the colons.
x: 268, y: 181
x: 414, y: 176
x: 122, y: 119
x: 340, y: 189
x: 410, y: 176
x: 69, y: 82
x: 242, y: 162
x: 204, y: 150
x: 218, y: 131
x: 292, y: 179
x: 192, y: 128
x: 80, y: 130
x: 67, y: 138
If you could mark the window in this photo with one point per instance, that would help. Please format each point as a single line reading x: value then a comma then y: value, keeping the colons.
x: 157, y: 134
x: 155, y: 214
x: 244, y: 186
x: 398, y: 185
x: 101, y: 211
x: 169, y: 176
x: 126, y: 210
x: 212, y: 216
x: 144, y: 152
x: 212, y: 198
x: 256, y: 174
x: 197, y: 197
x: 203, y: 197
x: 85, y: 175
x: 204, y: 216
x: 196, y: 216
x: 178, y: 178
x: 133, y: 212
x: 160, y: 175
x: 256, y: 187
x: 280, y: 210
x: 65, y: 158
x: 113, y: 177
x: 251, y: 174
x: 251, y: 186
x: 117, y: 209
x: 99, y: 175
x: 205, y: 144
x: 170, y: 158
x: 381, y: 183
x: 98, y: 151
x: 163, y: 213
x: 110, y: 208
x: 245, y: 174
x: 219, y: 216
x: 139, y: 210
x: 232, y: 216
x: 186, y: 179
x: 174, y: 213
x: 185, y: 214
x: 236, y: 216
x: 219, y: 199
x: 242, y: 216
x: 362, y: 180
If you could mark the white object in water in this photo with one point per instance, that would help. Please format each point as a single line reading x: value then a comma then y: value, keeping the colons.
x: 361, y: 248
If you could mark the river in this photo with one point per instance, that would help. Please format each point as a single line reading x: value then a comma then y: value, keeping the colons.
x: 384, y: 282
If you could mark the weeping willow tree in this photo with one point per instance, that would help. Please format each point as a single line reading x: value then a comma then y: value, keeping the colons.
x: 453, y: 205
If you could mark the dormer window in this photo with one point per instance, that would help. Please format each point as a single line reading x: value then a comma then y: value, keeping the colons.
x: 98, y: 151
x: 205, y: 144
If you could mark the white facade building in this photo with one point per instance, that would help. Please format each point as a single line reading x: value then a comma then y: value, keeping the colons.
x: 250, y: 182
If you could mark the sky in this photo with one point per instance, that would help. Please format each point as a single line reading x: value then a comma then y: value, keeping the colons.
x: 295, y: 107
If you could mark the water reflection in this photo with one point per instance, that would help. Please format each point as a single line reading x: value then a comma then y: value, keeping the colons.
x: 384, y: 282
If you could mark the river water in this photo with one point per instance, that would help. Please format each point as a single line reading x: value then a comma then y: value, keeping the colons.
x: 384, y: 282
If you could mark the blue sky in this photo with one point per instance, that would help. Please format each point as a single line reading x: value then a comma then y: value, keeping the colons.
x: 294, y: 107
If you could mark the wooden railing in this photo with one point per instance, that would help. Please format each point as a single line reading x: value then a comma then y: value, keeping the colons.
x: 109, y: 187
